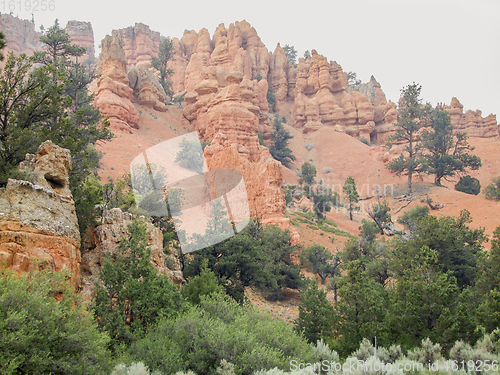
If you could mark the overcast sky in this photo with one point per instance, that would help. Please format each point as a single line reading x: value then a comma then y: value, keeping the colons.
x: 450, y: 47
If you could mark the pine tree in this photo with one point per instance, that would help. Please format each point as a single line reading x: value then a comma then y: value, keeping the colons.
x: 132, y: 296
x: 412, y: 117
x: 279, y: 143
x: 315, y: 315
x: 351, y: 193
x: 166, y: 53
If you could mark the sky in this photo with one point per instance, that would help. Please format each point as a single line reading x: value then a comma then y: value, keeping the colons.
x: 450, y: 47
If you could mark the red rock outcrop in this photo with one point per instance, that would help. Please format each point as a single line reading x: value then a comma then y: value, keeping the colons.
x: 20, y: 35
x: 322, y: 98
x: 107, y: 238
x: 147, y: 88
x: 472, y: 122
x: 140, y: 44
x: 228, y: 117
x: 82, y: 34
x: 38, y: 223
x: 113, y: 93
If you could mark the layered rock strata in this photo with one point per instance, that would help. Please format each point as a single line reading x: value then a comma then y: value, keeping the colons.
x: 472, y: 122
x: 82, y: 34
x: 322, y: 97
x: 113, y: 93
x: 38, y: 223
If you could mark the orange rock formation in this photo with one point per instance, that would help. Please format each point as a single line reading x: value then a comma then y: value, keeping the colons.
x: 472, y: 122
x: 113, y: 93
x: 38, y: 222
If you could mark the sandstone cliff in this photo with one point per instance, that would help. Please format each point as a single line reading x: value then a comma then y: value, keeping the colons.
x: 106, y: 239
x: 472, y: 122
x: 20, y: 35
x: 38, y: 223
x: 82, y: 34
x: 113, y: 93
x: 140, y: 44
x: 322, y: 97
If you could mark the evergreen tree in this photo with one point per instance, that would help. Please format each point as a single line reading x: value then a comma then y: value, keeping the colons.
x: 257, y: 256
x: 166, y: 53
x: 279, y: 143
x: 445, y: 154
x: 412, y: 117
x: 468, y: 185
x: 58, y: 47
x: 351, y: 193
x: 291, y: 55
x: 308, y: 174
x: 380, y: 214
x: 315, y: 314
x: 31, y: 111
x: 323, y: 198
x: 82, y: 126
x: 321, y: 262
x: 361, y: 311
x: 2, y: 44
x: 203, y: 284
x: 132, y: 296
x: 489, y: 286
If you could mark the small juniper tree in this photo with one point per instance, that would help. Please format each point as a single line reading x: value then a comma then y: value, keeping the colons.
x: 352, y: 196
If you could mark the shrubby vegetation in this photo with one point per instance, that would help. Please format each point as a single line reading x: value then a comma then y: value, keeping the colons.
x: 492, y: 191
x: 468, y: 185
x: 42, y: 334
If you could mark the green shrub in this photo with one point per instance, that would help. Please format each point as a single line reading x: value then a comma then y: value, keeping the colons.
x: 468, y: 185
x: 216, y: 329
x: 492, y: 191
x: 40, y: 334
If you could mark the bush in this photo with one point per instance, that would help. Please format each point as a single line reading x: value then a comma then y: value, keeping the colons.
x: 492, y: 191
x: 43, y: 334
x: 468, y: 185
x: 216, y: 329
x: 133, y: 369
x: 427, y: 353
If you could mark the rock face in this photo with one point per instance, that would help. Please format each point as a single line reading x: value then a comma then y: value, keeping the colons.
x: 322, y: 98
x: 107, y: 237
x: 82, y: 34
x: 472, y: 122
x: 113, y: 93
x: 38, y: 223
x: 20, y: 35
x: 147, y: 88
x: 140, y: 44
